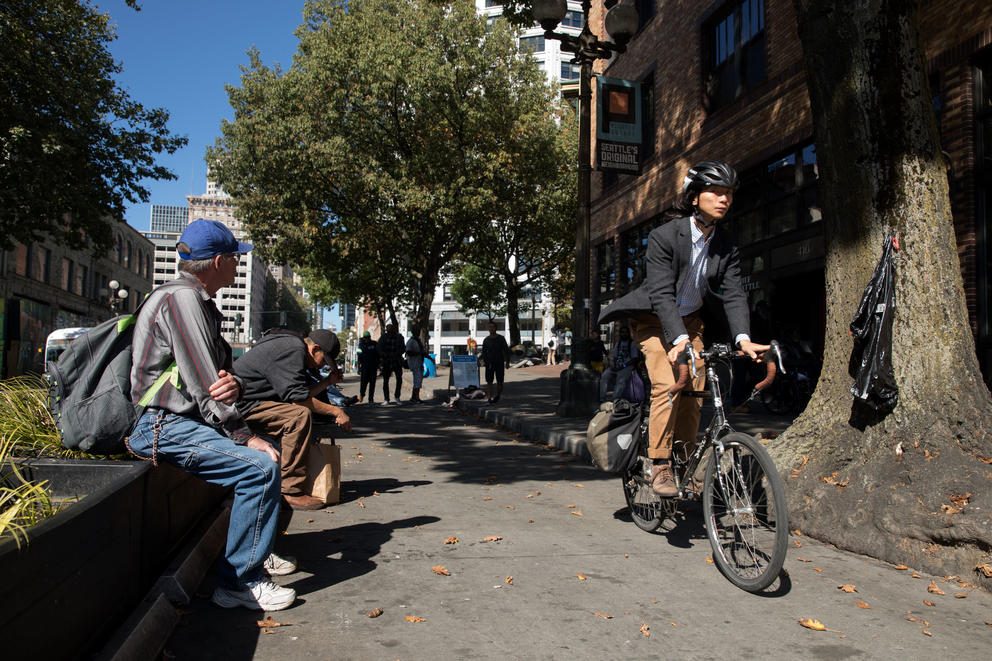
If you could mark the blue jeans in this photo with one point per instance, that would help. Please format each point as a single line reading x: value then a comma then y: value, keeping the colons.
x: 611, y: 376
x: 202, y: 450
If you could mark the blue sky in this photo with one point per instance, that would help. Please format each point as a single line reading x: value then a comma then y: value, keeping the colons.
x: 178, y: 55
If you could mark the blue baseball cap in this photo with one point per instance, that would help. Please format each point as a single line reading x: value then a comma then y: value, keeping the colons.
x: 209, y: 238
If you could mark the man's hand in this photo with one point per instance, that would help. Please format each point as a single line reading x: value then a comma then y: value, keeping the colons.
x: 343, y: 421
x: 225, y: 389
x: 673, y: 355
x: 752, y: 349
x: 335, y: 377
x: 258, y: 443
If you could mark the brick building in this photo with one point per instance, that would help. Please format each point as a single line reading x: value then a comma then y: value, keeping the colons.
x: 45, y: 287
x: 725, y: 80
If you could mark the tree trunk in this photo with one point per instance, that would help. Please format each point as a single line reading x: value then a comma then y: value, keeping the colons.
x: 513, y: 309
x: 912, y: 486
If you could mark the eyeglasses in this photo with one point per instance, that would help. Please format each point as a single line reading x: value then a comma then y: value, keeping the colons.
x: 235, y: 256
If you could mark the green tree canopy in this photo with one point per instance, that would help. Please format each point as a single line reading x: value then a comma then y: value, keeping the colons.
x: 74, y: 147
x: 382, y: 142
x: 479, y: 291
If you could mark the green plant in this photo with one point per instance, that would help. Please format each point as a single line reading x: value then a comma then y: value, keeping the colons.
x: 22, y: 503
x: 26, y: 426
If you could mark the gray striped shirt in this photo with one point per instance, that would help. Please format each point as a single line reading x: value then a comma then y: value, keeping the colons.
x: 180, y: 322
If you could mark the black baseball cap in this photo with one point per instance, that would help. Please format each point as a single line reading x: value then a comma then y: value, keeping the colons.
x: 328, y: 343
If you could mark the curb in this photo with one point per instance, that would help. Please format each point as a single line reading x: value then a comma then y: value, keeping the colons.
x: 572, y: 443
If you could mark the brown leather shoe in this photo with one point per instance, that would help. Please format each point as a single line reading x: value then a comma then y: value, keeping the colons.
x: 303, y: 502
x: 663, y: 481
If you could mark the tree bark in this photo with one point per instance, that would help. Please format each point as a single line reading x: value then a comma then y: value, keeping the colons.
x: 513, y: 308
x: 912, y: 486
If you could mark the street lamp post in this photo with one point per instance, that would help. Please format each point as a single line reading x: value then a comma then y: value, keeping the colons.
x: 117, y: 295
x: 579, y: 391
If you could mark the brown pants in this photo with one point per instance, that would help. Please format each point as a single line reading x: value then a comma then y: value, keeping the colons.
x: 681, y: 419
x: 290, y: 425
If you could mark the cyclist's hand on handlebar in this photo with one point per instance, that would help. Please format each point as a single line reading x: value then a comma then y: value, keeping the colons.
x: 754, y: 350
x: 673, y: 355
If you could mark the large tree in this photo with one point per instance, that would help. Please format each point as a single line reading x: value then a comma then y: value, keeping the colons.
x: 384, y: 135
x: 911, y: 485
x: 74, y: 147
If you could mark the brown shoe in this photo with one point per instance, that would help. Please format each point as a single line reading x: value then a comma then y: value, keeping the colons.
x: 663, y: 481
x: 303, y: 502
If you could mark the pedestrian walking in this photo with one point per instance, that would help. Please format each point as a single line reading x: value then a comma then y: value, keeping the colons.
x: 496, y: 356
x: 390, y: 348
x: 368, y: 366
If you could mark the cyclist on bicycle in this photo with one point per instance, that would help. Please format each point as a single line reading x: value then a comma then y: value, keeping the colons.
x: 693, y: 273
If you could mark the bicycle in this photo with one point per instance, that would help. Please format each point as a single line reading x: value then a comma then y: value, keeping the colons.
x: 744, y: 508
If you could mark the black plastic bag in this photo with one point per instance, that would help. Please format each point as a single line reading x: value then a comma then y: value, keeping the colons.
x: 871, y: 358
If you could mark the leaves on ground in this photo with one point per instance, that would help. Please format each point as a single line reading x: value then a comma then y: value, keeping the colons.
x: 960, y: 595
x: 440, y: 570
x: 804, y: 560
x: 810, y: 623
x: 361, y: 502
x: 581, y: 577
x: 817, y: 569
x: 492, y: 538
x: 918, y: 620
x: 580, y: 486
x: 959, y: 499
x: 487, y: 498
x: 510, y: 507
x: 709, y: 560
x: 451, y: 540
x: 833, y: 480
x: 576, y: 512
x: 985, y: 568
x: 270, y: 623
x: 375, y: 612
x: 603, y: 615
x: 508, y: 580
x: 933, y: 588
x: 847, y: 588
x: 915, y: 575
x: 926, y: 633
x: 645, y: 630
x: 862, y: 604
x: 900, y: 567
x: 414, y: 618
x: 798, y: 543
x: 929, y: 603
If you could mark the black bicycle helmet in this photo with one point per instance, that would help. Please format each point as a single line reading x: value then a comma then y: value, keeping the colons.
x: 709, y: 173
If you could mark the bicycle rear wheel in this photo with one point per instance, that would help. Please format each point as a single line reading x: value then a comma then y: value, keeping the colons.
x: 644, y: 503
x: 745, y: 513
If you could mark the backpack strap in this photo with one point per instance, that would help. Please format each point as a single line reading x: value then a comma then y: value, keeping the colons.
x: 170, y: 375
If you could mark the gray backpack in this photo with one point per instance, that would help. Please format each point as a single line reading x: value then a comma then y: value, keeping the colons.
x: 613, y: 436
x: 89, y: 388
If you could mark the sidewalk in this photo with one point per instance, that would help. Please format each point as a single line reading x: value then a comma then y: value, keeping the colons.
x: 531, y: 396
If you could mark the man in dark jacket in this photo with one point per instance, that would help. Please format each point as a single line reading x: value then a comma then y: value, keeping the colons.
x: 391, y: 348
x: 280, y: 398
x: 368, y: 366
x: 496, y: 356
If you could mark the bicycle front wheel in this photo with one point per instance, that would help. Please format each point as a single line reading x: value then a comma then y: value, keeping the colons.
x: 644, y: 503
x: 745, y: 513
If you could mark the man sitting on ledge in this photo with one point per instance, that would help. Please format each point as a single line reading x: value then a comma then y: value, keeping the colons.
x: 192, y: 423
x: 280, y: 399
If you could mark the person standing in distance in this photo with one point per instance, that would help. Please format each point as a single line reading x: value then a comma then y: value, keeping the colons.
x: 496, y: 355
x: 192, y: 422
x: 390, y: 348
x: 368, y: 366
x: 415, y: 361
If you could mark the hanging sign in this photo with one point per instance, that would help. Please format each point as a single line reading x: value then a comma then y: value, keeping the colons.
x: 618, y: 125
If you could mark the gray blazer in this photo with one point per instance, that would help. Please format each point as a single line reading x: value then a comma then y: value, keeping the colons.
x: 725, y: 309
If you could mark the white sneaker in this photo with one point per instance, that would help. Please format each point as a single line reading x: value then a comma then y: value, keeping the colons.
x: 276, y: 566
x: 263, y: 596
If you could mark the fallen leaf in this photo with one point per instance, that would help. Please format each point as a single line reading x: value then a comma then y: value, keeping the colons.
x: 440, y: 570
x: 530, y: 495
x: 915, y: 575
x: 576, y: 512
x: 985, y: 568
x: 451, y: 540
x: 934, y: 589
x: 862, y: 604
x: 947, y: 509
x: 579, y: 485
x: 797, y: 532
x: 803, y: 560
x: 901, y: 567
x: 603, y: 615
x: 815, y: 625
x: 645, y: 630
x: 928, y: 602
x: 492, y: 538
x: 360, y: 503
x: 270, y: 623
x: 571, y: 505
x: 414, y: 618
x: 530, y: 520
x: 926, y: 633
x: 508, y: 580
x: 961, y: 595
x: 487, y: 498
x: 581, y: 577
x: 510, y: 507
x: 847, y: 588
x: 268, y: 631
x: 925, y: 623
x: 309, y: 520
x: 960, y: 499
x: 626, y: 555
x: 709, y: 560
x: 817, y: 569
x: 798, y: 543
x: 673, y: 624
x: 537, y: 493
x: 375, y: 612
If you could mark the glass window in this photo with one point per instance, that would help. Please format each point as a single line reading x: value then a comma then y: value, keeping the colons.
x: 573, y: 19
x: 606, y: 272
x: 735, y: 51
x: 534, y: 44
x: 570, y: 71
x: 494, y: 3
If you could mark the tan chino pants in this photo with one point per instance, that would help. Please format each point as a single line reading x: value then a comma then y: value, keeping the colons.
x: 681, y: 419
x: 289, y: 424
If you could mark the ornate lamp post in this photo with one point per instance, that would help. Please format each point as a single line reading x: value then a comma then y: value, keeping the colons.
x: 117, y: 295
x: 579, y: 392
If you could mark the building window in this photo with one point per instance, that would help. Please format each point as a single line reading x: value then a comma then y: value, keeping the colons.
x: 446, y: 294
x: 68, y: 274
x: 573, y: 19
x: 120, y: 249
x: 46, y: 266
x: 570, y: 71
x: 605, y: 271
x: 734, y: 42
x: 494, y: 3
x: 633, y: 255
x: 534, y: 44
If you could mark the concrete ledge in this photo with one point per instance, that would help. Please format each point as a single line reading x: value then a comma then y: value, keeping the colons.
x: 144, y: 634
x: 179, y: 581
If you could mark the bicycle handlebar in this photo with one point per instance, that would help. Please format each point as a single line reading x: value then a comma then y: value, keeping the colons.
x: 772, y: 358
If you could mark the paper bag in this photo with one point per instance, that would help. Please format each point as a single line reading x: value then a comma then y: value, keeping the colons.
x: 324, y: 472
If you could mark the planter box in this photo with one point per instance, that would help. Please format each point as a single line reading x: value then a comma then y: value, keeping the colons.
x: 83, y: 570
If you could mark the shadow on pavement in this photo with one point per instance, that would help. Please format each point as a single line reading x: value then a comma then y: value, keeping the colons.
x: 355, y: 489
